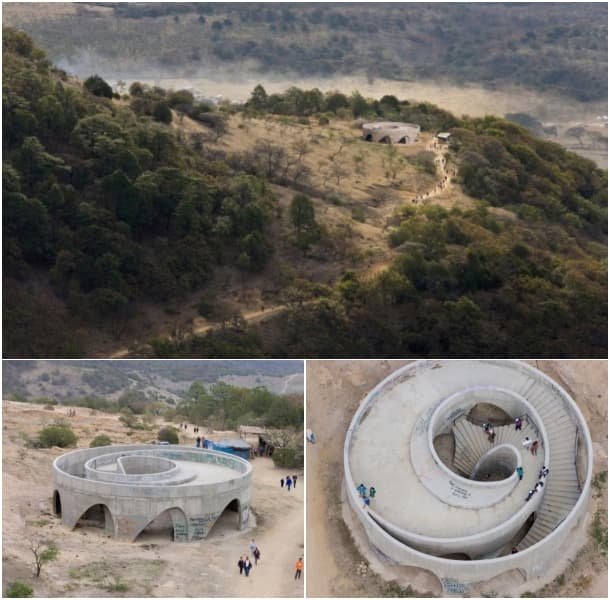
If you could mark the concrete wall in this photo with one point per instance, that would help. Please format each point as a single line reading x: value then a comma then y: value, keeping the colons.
x: 456, y: 575
x: 194, y: 508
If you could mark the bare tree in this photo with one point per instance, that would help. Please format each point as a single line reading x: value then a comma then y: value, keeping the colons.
x: 44, y: 551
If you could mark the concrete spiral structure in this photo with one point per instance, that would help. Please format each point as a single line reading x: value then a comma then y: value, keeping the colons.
x: 462, y: 517
x: 390, y: 132
x: 131, y: 486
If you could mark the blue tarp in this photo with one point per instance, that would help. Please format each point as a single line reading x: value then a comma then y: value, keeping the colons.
x: 242, y: 451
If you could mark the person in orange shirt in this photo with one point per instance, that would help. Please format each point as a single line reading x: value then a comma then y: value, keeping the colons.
x: 299, y: 568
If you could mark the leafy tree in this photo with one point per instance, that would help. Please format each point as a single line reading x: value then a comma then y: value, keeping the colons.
x: 98, y: 87
x: 162, y: 112
x: 258, y: 98
x: 44, y: 551
x: 302, y: 213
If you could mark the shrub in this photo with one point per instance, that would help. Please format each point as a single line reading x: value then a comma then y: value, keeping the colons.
x: 19, y: 590
x: 291, y: 458
x: 323, y: 120
x: 168, y: 434
x: 98, y: 87
x: 100, y: 440
x: 58, y: 434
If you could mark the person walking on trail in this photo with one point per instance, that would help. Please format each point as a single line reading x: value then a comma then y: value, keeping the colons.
x: 257, y: 555
x: 294, y: 481
x: 299, y: 567
x: 534, y: 448
x: 372, y: 492
x: 362, y: 490
x: 518, y: 424
x: 198, y: 443
x: 282, y: 482
x: 288, y: 482
x: 367, y: 502
x: 247, y: 566
x: 240, y: 564
x: 252, y: 546
x: 520, y: 473
x: 527, y: 443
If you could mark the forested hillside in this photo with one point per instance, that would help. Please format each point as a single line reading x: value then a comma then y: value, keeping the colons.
x: 560, y: 47
x: 105, y: 202
x: 115, y: 202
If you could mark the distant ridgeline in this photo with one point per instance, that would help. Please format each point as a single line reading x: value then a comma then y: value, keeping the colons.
x: 106, y: 206
x: 560, y: 47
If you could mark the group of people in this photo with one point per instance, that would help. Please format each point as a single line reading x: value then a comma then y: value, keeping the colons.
x: 531, y: 445
x: 362, y: 492
x: 289, y: 482
x: 245, y: 564
x: 201, y: 442
x: 539, y: 484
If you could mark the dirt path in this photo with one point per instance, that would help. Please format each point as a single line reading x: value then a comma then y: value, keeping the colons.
x: 280, y: 547
x: 250, y: 317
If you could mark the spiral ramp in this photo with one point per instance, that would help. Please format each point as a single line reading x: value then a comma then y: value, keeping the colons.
x: 442, y: 514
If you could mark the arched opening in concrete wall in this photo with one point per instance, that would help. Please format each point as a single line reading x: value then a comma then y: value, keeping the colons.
x: 456, y: 556
x: 419, y: 579
x: 404, y: 140
x: 490, y: 413
x: 385, y: 140
x: 500, y: 584
x: 228, y: 521
x: 56, y: 503
x: 369, y: 137
x: 97, y: 516
x: 167, y: 525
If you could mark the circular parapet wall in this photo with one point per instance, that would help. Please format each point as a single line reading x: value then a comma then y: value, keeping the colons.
x: 136, y: 484
x: 426, y: 512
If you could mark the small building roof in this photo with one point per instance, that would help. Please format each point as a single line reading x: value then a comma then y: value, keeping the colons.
x: 443, y: 135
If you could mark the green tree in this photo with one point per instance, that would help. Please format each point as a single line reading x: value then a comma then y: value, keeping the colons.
x: 258, y: 98
x: 98, y: 87
x: 302, y: 213
x: 162, y: 112
x: 44, y: 551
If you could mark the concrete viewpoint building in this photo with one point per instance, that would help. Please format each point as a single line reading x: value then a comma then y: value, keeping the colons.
x: 390, y: 132
x: 449, y: 500
x: 129, y: 487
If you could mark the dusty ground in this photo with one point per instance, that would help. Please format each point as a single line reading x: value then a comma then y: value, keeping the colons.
x: 341, y: 563
x: 90, y: 564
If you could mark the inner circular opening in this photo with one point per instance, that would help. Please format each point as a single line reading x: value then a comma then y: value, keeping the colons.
x: 497, y: 464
